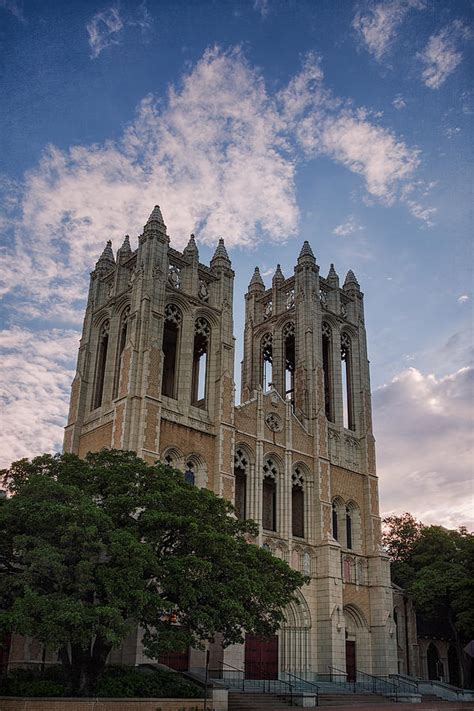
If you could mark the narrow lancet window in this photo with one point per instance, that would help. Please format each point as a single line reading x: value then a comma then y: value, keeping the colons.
x: 269, y: 517
x: 267, y: 362
x: 122, y: 340
x: 346, y: 356
x: 101, y: 365
x: 202, y: 333
x: 290, y: 358
x: 170, y: 349
x: 348, y: 528
x: 327, y: 370
x: 240, y: 476
x: 297, y: 504
x: 335, y: 532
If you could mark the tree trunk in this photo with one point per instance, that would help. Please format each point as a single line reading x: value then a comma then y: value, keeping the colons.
x: 463, y: 662
x: 83, y: 668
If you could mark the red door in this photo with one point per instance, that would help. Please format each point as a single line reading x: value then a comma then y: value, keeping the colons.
x: 351, y: 660
x: 261, y: 657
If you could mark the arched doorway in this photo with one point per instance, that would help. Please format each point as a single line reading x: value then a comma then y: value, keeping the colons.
x: 295, y: 653
x: 433, y: 661
x: 453, y: 667
x: 261, y: 657
x: 357, y: 639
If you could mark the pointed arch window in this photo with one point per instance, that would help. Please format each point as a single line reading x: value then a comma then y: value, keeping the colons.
x: 101, y: 363
x: 122, y: 340
x: 171, y: 330
x: 290, y: 361
x: 297, y: 503
x: 267, y: 361
x: 202, y: 333
x: 348, y: 527
x: 335, y: 527
x: 347, y: 390
x: 327, y: 370
x: 269, y: 498
x: 241, y: 464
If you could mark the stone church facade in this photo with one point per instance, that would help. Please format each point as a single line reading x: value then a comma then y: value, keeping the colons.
x: 155, y: 374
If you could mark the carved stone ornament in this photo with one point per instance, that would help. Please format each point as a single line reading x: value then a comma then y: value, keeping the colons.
x: 343, y: 310
x: 174, y: 277
x: 273, y: 422
x: 323, y: 297
x: 290, y: 299
x: 203, y: 291
x: 268, y: 310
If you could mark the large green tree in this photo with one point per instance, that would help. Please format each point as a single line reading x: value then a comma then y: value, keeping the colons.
x: 89, y: 548
x: 436, y: 566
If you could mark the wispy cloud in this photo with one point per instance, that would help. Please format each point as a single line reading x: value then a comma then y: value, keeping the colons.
x: 103, y: 30
x: 463, y: 299
x: 377, y: 24
x: 347, y: 228
x: 399, y: 102
x: 15, y: 7
x: 442, y: 55
x: 35, y: 378
x: 262, y: 7
x: 424, y: 427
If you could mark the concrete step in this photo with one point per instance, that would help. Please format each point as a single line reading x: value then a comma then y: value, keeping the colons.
x: 353, y: 700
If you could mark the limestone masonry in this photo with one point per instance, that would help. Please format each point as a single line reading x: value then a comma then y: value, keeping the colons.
x: 155, y: 374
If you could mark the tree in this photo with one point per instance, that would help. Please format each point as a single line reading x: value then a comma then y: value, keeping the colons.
x: 436, y: 566
x: 91, y: 548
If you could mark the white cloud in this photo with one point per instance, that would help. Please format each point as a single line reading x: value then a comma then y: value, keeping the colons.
x: 463, y: 299
x: 378, y: 23
x: 103, y: 30
x: 441, y: 55
x: 424, y: 427
x: 399, y: 102
x: 219, y: 155
x: 451, y: 132
x: 35, y: 379
x: 347, y: 228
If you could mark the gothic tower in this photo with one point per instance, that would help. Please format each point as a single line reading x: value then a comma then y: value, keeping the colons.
x: 155, y: 375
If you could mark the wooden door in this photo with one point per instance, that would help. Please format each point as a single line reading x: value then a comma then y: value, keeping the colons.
x: 261, y: 657
x: 351, y: 660
x: 175, y: 660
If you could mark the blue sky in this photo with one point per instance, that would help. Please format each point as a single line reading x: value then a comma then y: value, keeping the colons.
x: 345, y: 123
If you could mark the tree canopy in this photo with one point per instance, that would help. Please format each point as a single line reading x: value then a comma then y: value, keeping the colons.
x: 90, y: 548
x: 436, y: 566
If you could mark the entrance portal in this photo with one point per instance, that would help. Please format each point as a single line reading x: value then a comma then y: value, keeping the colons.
x: 261, y: 657
x: 351, y: 660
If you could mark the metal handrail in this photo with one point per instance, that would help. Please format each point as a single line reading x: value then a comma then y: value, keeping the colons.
x: 374, y: 680
x: 341, y: 672
x: 305, y: 681
x: 402, y: 681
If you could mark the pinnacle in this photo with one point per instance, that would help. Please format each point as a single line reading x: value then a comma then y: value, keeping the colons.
x: 107, y: 255
x: 278, y: 276
x: 332, y: 274
x: 351, y: 279
x: 126, y: 244
x: 191, y: 249
x: 221, y: 252
x: 156, y: 216
x: 306, y: 250
x: 256, y: 279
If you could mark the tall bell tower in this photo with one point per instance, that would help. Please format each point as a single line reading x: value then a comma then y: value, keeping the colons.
x: 155, y: 364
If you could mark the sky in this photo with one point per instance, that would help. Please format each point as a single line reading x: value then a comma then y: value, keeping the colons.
x: 266, y: 122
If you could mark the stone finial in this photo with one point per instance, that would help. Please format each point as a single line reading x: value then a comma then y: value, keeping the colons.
x: 191, y: 251
x: 278, y: 276
x: 107, y: 255
x: 155, y: 221
x: 125, y: 248
x: 332, y: 276
x: 256, y: 282
x: 351, y: 281
x: 221, y: 252
x: 306, y: 252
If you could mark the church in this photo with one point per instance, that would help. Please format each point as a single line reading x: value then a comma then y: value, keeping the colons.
x: 155, y: 374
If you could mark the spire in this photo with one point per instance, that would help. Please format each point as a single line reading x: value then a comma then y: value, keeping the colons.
x: 220, y: 254
x: 351, y: 281
x: 332, y: 276
x: 191, y: 250
x: 306, y: 251
x: 125, y: 249
x: 278, y: 276
x: 256, y: 282
x: 155, y: 221
x: 107, y: 258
